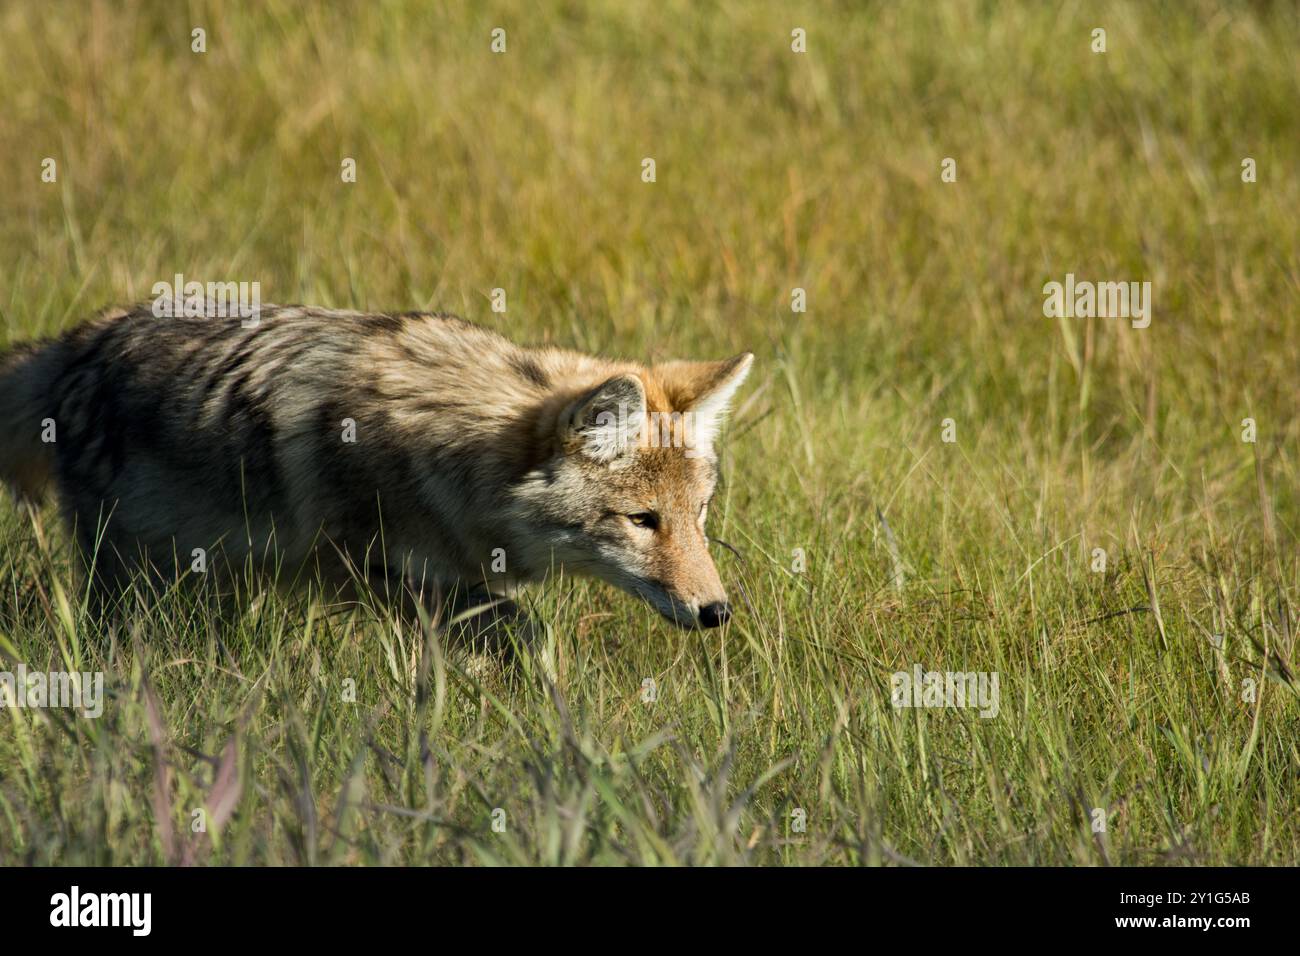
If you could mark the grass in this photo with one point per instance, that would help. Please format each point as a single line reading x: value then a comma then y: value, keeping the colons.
x: 775, y: 170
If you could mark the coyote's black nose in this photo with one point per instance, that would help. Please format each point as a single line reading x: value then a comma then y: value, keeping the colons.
x: 715, y: 614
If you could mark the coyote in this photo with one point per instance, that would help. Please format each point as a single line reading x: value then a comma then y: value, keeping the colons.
x: 417, y: 452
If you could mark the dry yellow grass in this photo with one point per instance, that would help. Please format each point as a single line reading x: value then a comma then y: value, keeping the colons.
x: 775, y: 170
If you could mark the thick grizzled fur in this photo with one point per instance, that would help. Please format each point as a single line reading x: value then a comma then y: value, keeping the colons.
x: 176, y: 434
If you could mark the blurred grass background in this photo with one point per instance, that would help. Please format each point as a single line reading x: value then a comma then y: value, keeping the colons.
x: 775, y: 170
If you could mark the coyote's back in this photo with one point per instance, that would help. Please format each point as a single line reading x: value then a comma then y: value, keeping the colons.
x: 170, y: 437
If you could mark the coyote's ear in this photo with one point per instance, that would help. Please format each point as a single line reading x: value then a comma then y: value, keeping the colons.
x: 705, y: 389
x: 606, y: 421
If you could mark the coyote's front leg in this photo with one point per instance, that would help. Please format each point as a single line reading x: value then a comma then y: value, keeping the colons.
x: 472, y: 617
x: 485, y: 621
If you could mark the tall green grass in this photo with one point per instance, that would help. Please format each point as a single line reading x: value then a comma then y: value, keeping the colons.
x: 1121, y: 690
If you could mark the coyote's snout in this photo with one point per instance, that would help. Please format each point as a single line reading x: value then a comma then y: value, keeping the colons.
x: 417, y: 451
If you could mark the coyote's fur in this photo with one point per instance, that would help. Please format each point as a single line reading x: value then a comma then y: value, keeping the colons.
x: 416, y: 449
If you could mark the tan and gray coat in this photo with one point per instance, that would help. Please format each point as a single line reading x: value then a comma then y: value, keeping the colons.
x: 410, y: 448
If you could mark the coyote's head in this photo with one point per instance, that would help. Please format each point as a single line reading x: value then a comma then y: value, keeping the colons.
x: 625, y: 495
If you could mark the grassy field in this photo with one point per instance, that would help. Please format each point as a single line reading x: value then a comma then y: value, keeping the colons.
x: 1161, y: 691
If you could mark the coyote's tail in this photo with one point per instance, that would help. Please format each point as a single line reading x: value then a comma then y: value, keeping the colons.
x: 27, y: 375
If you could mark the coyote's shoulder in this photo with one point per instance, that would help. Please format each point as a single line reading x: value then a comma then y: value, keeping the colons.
x: 396, y: 440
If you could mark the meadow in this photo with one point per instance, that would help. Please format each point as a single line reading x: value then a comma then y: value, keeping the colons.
x: 1099, y: 531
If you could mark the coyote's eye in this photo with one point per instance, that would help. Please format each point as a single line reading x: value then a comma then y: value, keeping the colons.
x: 644, y: 519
